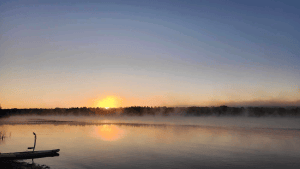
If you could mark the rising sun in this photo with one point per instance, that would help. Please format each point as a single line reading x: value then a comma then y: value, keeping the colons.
x: 109, y: 102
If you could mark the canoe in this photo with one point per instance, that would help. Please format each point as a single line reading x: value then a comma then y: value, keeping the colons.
x: 29, y: 154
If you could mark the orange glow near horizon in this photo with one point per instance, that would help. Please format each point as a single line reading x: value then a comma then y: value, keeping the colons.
x: 108, y: 132
x: 110, y: 102
x: 115, y: 100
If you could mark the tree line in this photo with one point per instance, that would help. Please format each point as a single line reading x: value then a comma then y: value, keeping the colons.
x: 164, y: 111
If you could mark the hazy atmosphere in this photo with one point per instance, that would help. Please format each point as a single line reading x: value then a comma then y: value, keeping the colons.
x: 159, y: 84
x: 149, y: 53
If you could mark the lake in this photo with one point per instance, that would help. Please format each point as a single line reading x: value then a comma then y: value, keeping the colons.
x: 157, y: 141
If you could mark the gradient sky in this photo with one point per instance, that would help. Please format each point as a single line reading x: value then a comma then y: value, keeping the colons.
x: 149, y: 53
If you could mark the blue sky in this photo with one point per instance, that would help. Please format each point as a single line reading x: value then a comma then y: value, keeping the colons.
x: 171, y: 53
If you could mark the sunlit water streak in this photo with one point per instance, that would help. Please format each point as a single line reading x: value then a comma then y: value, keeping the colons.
x: 158, y: 142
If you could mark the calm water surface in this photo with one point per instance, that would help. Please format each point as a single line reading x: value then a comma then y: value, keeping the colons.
x: 157, y: 142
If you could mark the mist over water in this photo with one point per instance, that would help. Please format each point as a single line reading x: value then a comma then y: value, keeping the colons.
x: 151, y: 84
x: 158, y: 141
x: 203, y: 121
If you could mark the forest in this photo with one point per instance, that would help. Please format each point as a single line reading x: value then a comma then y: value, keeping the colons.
x: 163, y: 111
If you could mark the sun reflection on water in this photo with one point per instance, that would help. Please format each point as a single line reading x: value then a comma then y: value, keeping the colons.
x: 108, y: 132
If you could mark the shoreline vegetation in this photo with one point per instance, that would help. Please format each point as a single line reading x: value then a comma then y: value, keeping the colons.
x: 138, y: 111
x: 21, y: 165
x: 164, y: 111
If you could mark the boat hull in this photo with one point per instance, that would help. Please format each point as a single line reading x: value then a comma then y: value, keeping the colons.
x: 29, y: 154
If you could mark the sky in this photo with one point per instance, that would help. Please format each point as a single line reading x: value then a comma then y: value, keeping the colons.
x: 149, y: 53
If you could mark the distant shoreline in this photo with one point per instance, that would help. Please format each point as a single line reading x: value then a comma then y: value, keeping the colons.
x: 164, y: 111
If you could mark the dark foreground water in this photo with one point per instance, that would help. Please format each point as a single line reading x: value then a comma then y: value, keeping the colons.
x: 157, y: 142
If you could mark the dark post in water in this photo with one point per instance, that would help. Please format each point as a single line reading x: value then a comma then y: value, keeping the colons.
x: 34, y: 142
